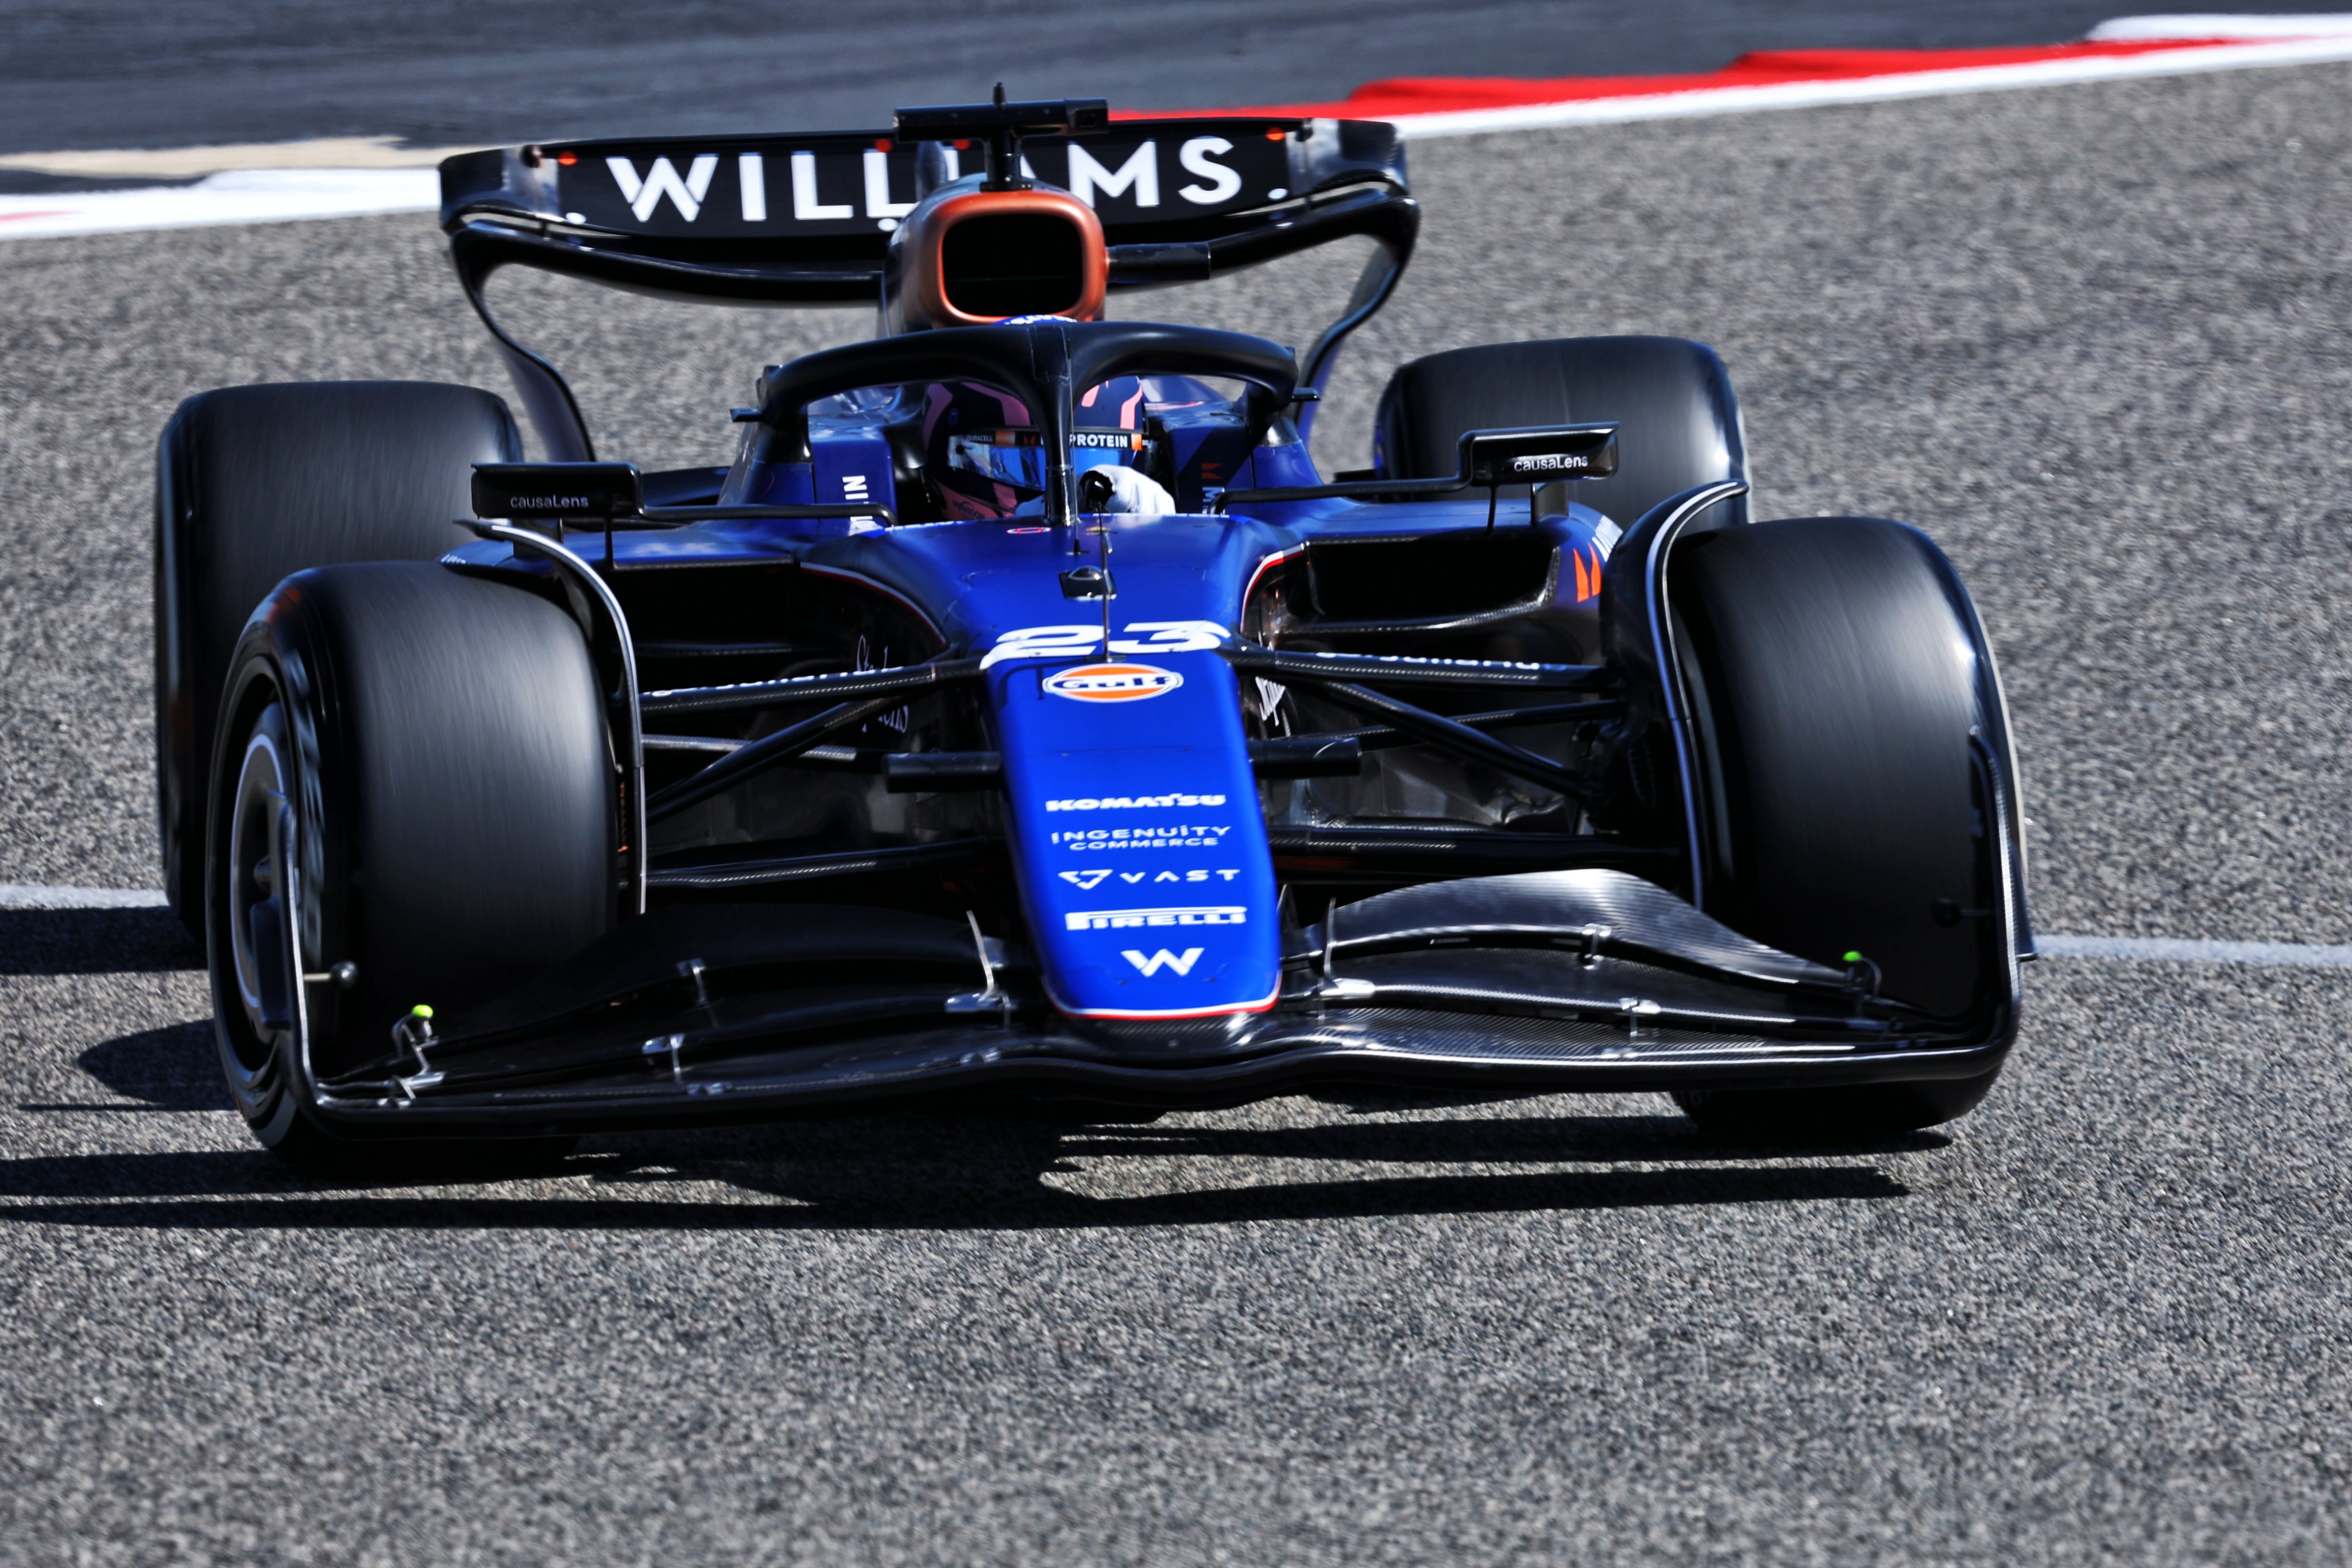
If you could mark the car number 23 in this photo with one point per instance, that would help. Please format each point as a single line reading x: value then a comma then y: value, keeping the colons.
x: 1075, y: 642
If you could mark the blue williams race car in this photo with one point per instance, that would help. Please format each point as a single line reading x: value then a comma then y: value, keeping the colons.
x: 1022, y: 715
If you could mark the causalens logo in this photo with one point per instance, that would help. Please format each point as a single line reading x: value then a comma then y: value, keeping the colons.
x: 1113, y: 682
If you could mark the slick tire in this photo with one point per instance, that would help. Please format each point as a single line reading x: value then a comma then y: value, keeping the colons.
x: 1678, y: 423
x: 1852, y: 751
x: 256, y: 483
x: 411, y: 774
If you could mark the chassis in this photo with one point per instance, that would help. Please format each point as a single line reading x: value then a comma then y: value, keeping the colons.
x: 1523, y: 761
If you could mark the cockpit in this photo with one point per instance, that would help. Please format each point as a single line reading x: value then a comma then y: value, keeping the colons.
x: 963, y: 451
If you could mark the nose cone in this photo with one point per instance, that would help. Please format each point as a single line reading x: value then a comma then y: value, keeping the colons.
x: 1140, y: 847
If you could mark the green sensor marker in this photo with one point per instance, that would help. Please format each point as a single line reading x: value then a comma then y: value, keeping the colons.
x: 1850, y: 957
x: 420, y: 1011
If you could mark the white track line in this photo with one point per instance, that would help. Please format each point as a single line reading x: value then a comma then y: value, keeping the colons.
x: 239, y: 196
x: 216, y: 158
x: 2215, y: 25
x: 2173, y: 950
x: 2124, y: 949
x: 22, y: 896
x: 1875, y: 89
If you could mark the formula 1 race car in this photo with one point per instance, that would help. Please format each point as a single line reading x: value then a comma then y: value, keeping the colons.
x: 1021, y: 714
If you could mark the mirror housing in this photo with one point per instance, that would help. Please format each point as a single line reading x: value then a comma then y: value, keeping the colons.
x: 597, y: 492
x: 1539, y: 455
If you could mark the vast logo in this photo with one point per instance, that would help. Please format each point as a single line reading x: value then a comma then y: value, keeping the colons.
x: 1095, y: 876
x: 1163, y: 959
x: 1125, y: 919
x: 1113, y: 682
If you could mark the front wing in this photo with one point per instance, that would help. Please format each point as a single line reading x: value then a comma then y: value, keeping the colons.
x: 1538, y: 982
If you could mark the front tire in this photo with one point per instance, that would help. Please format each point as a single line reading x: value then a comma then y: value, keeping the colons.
x: 413, y: 776
x: 1853, y: 756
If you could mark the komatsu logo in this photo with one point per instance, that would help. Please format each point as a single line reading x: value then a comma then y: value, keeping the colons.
x: 1125, y: 919
x: 1130, y: 802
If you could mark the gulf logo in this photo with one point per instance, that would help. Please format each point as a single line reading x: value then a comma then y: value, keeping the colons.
x: 1113, y: 682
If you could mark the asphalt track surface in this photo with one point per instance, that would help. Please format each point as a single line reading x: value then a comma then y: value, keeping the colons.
x: 2093, y: 338
x: 130, y: 73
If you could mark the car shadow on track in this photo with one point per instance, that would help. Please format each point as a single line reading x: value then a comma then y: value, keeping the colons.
x: 175, y: 1068
x: 94, y: 941
x: 976, y: 1173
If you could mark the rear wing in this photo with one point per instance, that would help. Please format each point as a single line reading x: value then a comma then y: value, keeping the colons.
x: 806, y: 219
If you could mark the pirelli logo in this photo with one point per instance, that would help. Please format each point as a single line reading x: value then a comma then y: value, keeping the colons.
x: 1128, y: 919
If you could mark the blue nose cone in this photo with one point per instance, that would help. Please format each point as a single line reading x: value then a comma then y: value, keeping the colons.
x: 1137, y: 838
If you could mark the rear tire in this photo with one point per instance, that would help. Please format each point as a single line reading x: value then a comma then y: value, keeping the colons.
x: 256, y: 483
x: 412, y: 775
x: 1679, y: 422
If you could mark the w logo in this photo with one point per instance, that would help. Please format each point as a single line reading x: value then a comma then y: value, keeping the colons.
x: 645, y: 194
x: 1163, y: 958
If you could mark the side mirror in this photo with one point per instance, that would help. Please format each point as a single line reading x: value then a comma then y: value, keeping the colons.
x: 1535, y: 456
x: 592, y: 491
x: 1492, y: 458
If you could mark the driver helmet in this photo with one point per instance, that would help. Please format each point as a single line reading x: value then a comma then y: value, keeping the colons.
x: 987, y: 456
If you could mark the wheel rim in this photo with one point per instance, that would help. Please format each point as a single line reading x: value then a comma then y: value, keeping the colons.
x: 257, y: 916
